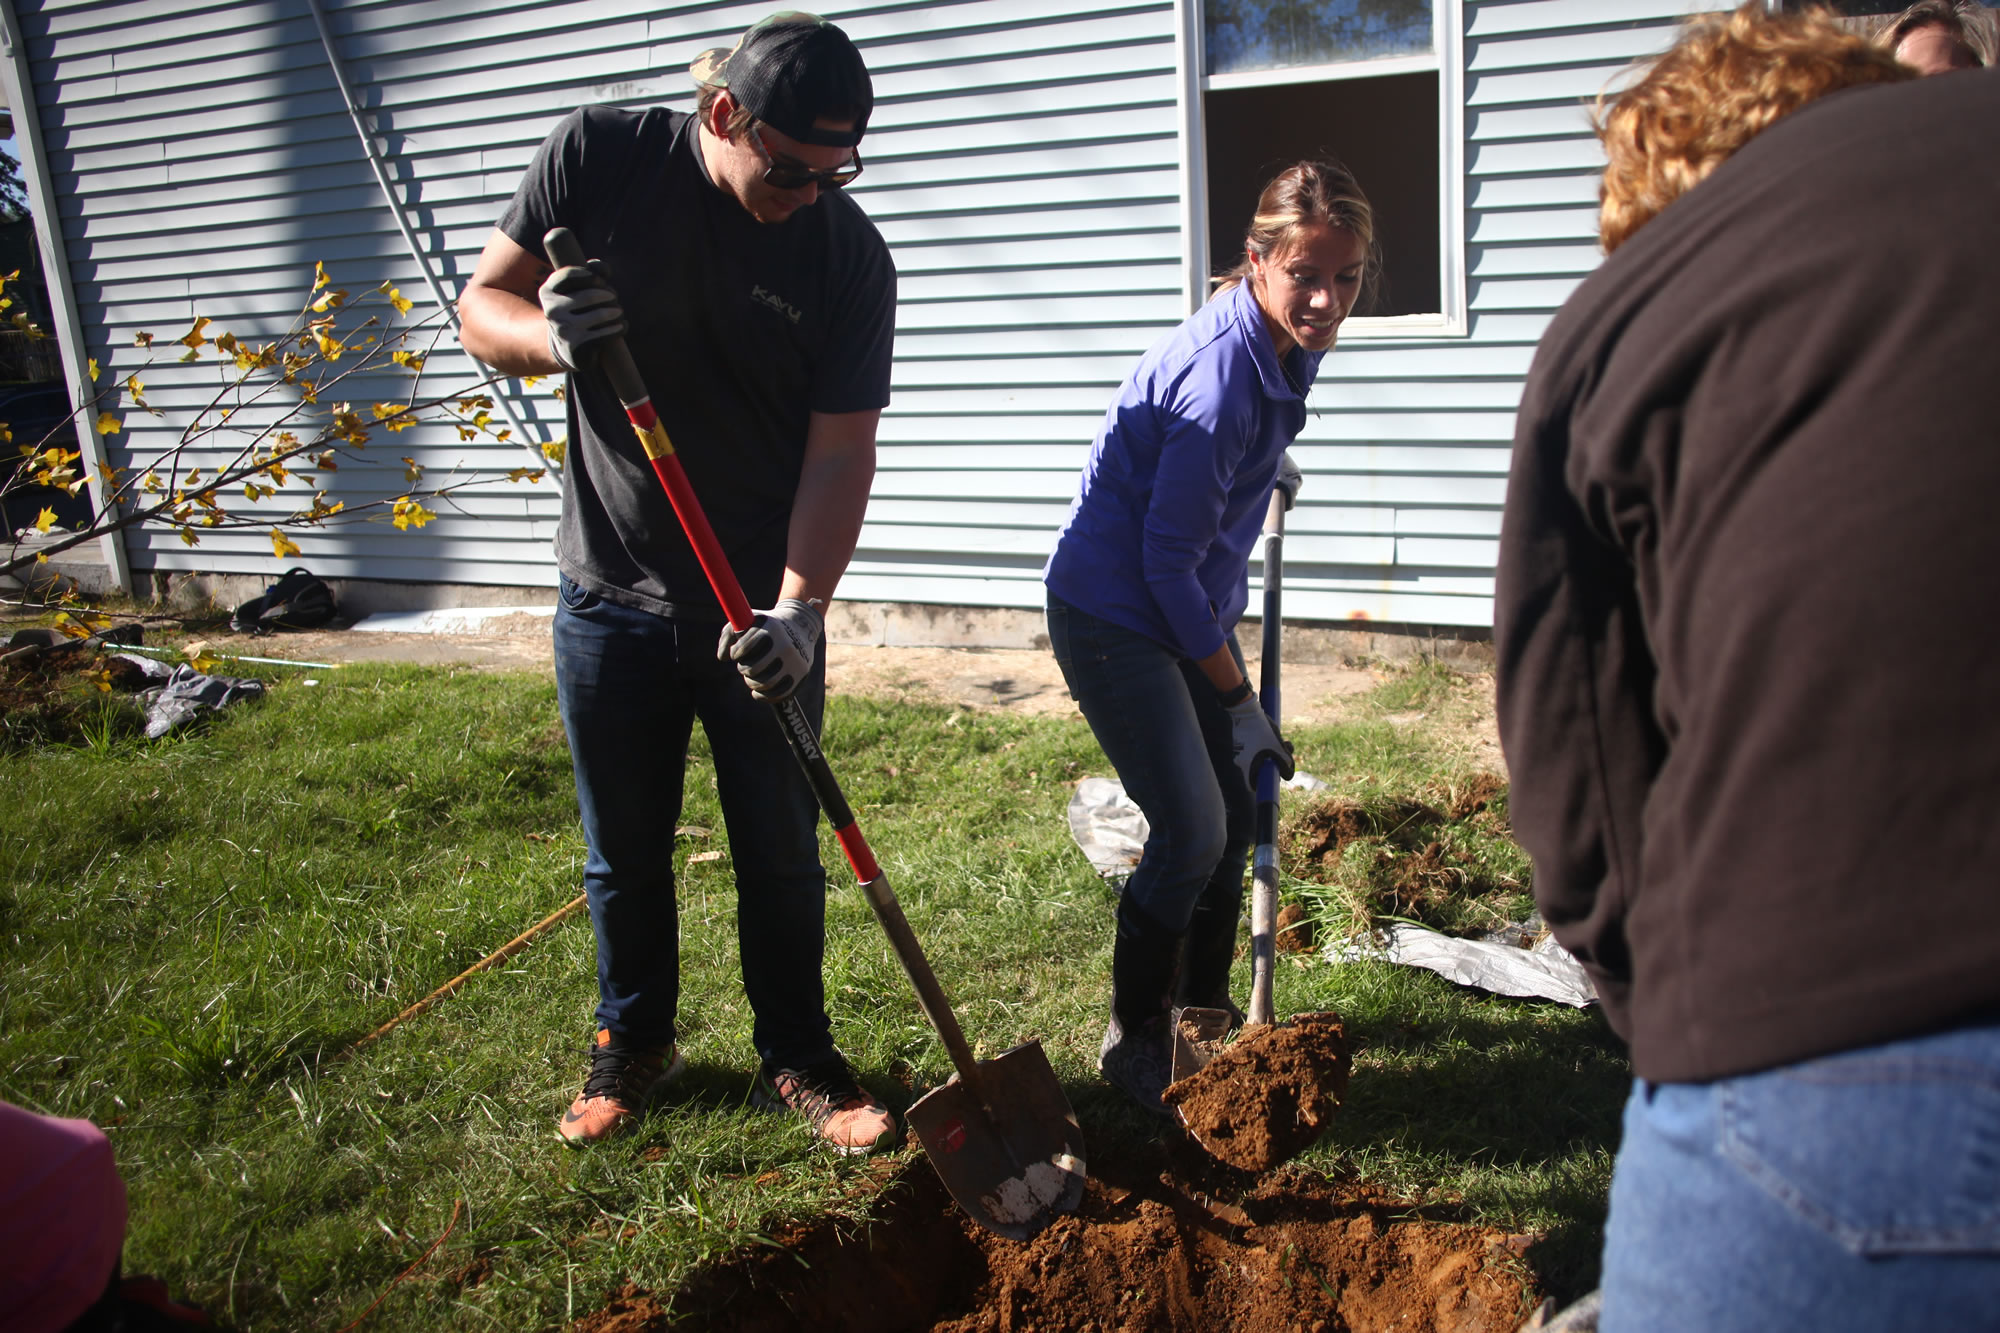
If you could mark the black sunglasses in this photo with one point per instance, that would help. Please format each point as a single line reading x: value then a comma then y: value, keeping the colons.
x: 792, y: 176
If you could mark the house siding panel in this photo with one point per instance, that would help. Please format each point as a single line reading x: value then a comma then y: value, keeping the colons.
x: 1024, y: 161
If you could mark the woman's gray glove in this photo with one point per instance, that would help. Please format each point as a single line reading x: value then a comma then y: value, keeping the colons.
x: 776, y: 652
x: 1289, y: 479
x: 1254, y: 738
x: 581, y: 309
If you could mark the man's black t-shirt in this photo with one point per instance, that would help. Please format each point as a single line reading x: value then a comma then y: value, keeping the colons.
x: 741, y: 329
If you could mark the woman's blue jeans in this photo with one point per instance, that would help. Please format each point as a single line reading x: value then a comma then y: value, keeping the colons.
x: 630, y: 685
x: 1857, y: 1192
x: 1164, y: 729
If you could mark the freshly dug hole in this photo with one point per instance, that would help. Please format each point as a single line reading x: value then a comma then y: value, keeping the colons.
x: 1268, y: 1095
x: 1148, y: 1252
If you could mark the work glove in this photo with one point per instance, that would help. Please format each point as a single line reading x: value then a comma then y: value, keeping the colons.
x: 581, y: 309
x: 776, y: 652
x: 1254, y: 738
x: 1289, y: 479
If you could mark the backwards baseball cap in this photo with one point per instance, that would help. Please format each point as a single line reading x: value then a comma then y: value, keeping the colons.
x: 789, y: 70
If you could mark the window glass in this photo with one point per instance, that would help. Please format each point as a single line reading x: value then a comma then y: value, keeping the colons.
x: 1277, y: 34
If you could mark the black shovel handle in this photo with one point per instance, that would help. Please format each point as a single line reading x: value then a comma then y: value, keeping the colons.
x: 615, y: 360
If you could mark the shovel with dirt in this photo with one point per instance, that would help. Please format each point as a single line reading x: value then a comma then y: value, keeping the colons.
x: 1001, y: 1133
x: 1257, y: 1101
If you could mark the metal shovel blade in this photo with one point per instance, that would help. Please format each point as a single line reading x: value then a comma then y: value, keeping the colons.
x: 1197, y: 1032
x: 1013, y: 1161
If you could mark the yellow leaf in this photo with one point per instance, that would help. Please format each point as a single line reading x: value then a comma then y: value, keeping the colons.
x: 198, y: 655
x: 283, y: 545
x: 7, y: 437
x: 526, y: 474
x: 409, y: 514
x: 413, y: 361
x: 530, y: 381
x: 194, y: 337
x: 109, y: 473
x: 328, y: 462
x: 331, y: 301
x: 189, y: 537
x: 150, y: 483
x: 93, y: 370
x: 412, y: 470
x: 142, y: 340
x: 309, y: 393
x: 134, y: 387
x: 396, y: 298
x: 347, y: 426
x: 319, y: 276
x: 108, y: 424
x: 555, y: 449
x: 394, y: 416
x: 45, y: 520
x: 330, y: 348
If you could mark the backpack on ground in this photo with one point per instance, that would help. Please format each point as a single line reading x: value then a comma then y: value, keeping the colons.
x: 300, y: 599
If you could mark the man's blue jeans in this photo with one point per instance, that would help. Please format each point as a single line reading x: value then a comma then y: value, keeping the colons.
x: 1859, y: 1191
x: 1164, y: 729
x: 630, y: 685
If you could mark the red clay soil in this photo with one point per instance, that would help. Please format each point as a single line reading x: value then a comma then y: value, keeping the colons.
x: 1265, y: 1097
x: 1168, y: 1243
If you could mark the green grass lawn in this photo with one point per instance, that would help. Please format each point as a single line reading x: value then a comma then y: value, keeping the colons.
x: 194, y: 932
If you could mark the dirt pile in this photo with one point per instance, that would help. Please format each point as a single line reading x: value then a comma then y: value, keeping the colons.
x: 1165, y: 1243
x: 1265, y: 1097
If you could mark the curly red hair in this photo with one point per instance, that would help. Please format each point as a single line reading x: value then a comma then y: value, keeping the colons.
x: 1727, y: 80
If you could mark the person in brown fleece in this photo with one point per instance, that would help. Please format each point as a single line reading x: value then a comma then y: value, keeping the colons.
x: 1746, y: 698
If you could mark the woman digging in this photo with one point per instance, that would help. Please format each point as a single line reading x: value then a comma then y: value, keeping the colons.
x: 1150, y: 576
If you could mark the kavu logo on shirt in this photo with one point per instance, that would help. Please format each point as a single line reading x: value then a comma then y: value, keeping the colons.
x: 774, y: 302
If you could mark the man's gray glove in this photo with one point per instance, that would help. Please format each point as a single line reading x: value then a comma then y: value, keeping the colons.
x: 776, y: 652
x: 1254, y: 738
x: 581, y: 309
x: 1289, y: 479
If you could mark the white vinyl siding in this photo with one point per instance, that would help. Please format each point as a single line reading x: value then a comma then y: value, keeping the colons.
x: 1024, y: 161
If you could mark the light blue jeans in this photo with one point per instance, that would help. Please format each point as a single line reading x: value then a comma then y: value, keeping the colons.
x: 1859, y: 1191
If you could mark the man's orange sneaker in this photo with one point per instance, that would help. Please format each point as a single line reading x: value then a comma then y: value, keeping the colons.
x: 846, y: 1117
x: 624, y: 1077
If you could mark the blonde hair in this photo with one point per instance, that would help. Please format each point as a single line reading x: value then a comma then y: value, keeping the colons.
x: 1305, y: 194
x: 1727, y: 80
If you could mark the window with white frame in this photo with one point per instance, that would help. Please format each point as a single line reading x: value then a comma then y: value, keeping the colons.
x: 1372, y: 83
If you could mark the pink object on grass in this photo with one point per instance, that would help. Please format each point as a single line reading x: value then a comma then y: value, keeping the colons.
x: 62, y: 1218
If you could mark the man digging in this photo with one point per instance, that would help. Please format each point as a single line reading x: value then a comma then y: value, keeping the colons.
x: 759, y: 301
